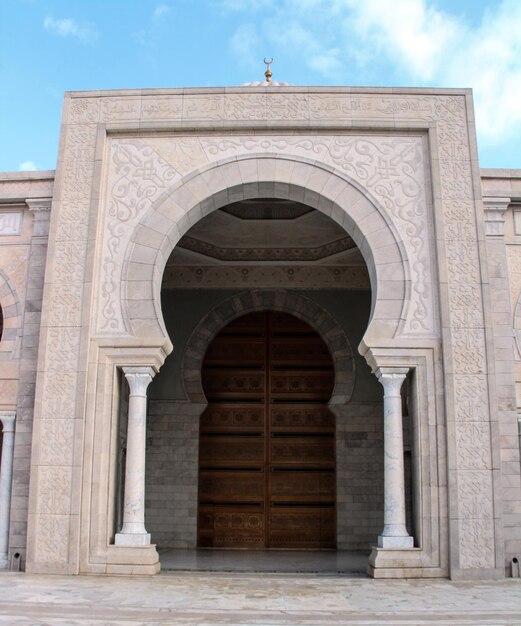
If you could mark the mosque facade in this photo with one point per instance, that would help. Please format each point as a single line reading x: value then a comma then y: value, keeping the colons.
x: 262, y: 318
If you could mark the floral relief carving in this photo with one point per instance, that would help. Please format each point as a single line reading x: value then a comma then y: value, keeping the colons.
x: 392, y: 168
x: 84, y: 110
x: 473, y: 449
x: 245, y: 107
x: 56, y: 447
x: 52, y: 545
x: 66, y: 342
x: 185, y: 154
x: 74, y: 221
x: 468, y: 346
x: 476, y: 543
x: 54, y: 487
x: 474, y: 484
x: 474, y: 489
x: 58, y: 401
x: 69, y: 260
x: 77, y: 181
x: 281, y: 107
x: 65, y: 306
x: 472, y: 404
x: 138, y: 176
x: 80, y: 146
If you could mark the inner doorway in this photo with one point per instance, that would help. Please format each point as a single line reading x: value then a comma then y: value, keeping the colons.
x: 267, y: 438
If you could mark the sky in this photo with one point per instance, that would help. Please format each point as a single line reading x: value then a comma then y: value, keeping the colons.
x: 51, y: 46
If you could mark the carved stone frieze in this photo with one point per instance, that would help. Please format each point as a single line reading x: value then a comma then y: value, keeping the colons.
x: 472, y: 404
x: 266, y: 254
x: 52, y: 545
x: 340, y: 277
x: 473, y: 449
x: 57, y: 387
x: 118, y: 109
x: 185, y: 154
x: 58, y: 445
x: 84, y: 111
x: 161, y: 107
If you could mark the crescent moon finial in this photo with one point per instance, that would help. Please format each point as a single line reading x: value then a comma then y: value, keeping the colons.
x: 268, y: 72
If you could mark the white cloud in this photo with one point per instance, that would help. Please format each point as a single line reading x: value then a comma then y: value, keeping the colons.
x: 414, y: 41
x: 245, y: 44
x: 160, y: 10
x: 69, y: 27
x: 29, y: 166
x: 245, y: 5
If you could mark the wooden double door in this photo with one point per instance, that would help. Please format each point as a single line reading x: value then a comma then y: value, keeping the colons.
x: 267, y: 438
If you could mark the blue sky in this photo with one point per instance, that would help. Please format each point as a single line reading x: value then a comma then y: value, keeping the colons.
x: 50, y: 46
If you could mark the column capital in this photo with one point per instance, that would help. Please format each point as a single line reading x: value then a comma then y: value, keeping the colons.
x: 138, y: 379
x: 37, y: 205
x: 391, y: 378
x: 495, y: 208
x: 7, y: 418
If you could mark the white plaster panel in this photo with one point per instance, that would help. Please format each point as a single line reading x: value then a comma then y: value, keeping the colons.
x: 10, y: 223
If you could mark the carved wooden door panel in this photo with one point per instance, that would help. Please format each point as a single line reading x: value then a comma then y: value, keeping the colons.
x: 267, y: 445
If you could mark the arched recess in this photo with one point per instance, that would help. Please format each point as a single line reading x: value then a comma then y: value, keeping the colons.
x: 275, y: 300
x: 264, y: 175
x: 11, y: 319
x: 179, y: 527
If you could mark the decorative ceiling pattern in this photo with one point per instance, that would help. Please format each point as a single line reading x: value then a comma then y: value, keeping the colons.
x: 267, y: 254
x: 267, y: 209
x: 265, y: 231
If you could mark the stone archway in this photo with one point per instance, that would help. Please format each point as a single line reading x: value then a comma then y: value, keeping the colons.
x: 236, y: 179
x: 277, y: 300
x: 216, y: 186
x: 173, y: 426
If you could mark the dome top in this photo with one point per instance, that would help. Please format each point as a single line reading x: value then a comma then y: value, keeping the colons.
x: 266, y: 83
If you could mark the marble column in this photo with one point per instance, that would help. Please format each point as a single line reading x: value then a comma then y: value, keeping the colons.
x: 133, y: 531
x: 6, y: 478
x: 394, y: 534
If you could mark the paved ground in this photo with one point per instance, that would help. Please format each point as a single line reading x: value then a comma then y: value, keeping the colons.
x: 212, y: 599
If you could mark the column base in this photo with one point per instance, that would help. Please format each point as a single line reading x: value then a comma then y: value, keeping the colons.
x: 4, y: 563
x: 133, y: 560
x: 132, y: 539
x: 396, y: 543
x: 401, y: 563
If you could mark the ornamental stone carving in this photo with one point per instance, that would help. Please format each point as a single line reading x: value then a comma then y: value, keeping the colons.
x: 392, y: 168
x: 423, y: 172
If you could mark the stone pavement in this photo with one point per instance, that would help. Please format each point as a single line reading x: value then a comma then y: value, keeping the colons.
x: 210, y: 599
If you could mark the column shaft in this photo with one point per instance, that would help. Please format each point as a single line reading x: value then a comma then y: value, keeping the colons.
x: 133, y: 532
x: 394, y: 533
x: 6, y: 478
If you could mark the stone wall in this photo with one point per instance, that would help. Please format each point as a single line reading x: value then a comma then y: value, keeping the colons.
x: 25, y: 199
